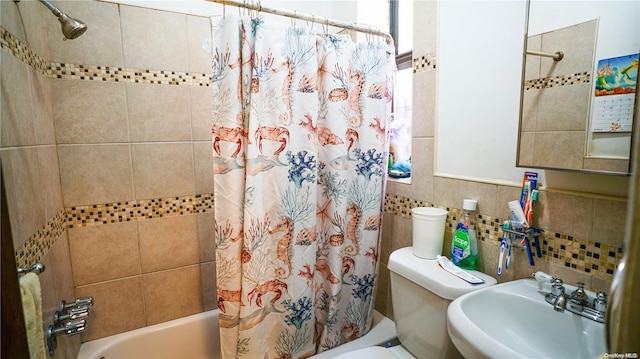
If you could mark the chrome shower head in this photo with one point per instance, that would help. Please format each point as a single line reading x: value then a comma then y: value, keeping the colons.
x: 71, y: 28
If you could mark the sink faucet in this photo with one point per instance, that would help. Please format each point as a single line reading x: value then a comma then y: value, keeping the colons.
x: 579, y: 302
x: 560, y: 301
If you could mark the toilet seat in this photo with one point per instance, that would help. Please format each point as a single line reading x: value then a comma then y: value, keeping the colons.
x: 396, y: 352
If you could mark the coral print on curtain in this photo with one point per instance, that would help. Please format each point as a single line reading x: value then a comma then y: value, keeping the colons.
x: 300, y: 149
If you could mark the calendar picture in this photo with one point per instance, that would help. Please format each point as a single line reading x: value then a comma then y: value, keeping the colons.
x: 615, y: 87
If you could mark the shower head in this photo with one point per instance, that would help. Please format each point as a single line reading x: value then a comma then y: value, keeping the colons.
x: 71, y: 28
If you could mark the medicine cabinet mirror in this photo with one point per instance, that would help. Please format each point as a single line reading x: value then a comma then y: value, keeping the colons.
x: 579, y: 100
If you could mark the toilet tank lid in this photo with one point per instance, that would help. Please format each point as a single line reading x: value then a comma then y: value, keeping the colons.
x: 429, y: 275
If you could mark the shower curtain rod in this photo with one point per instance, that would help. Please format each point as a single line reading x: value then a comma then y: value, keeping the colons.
x: 306, y: 17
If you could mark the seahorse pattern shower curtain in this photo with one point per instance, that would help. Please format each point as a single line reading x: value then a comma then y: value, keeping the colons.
x: 300, y: 153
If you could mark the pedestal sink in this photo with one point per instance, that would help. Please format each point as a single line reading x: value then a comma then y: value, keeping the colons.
x: 512, y: 320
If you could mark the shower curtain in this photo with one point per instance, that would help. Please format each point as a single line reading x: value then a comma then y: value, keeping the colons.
x: 300, y: 150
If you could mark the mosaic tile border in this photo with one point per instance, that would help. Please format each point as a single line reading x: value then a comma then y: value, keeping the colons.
x: 82, y: 216
x: 588, y: 256
x: 556, y: 81
x: 424, y: 63
x: 34, y: 249
x: 57, y: 70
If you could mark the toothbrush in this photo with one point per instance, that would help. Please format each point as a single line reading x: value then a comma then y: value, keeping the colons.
x: 506, y: 262
x: 527, y: 245
x: 503, y: 245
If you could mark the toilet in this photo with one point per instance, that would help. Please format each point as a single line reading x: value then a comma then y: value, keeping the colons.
x: 421, y: 292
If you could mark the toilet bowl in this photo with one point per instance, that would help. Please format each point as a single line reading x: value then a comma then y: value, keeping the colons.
x: 421, y: 292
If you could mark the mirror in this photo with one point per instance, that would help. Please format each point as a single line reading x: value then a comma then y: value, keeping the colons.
x: 579, y: 98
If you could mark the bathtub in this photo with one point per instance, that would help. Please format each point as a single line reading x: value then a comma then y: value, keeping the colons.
x: 198, y: 337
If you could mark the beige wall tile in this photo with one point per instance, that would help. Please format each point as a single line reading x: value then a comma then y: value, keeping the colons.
x: 21, y: 169
x: 607, y: 164
x: 425, y: 37
x: 199, y: 42
x: 24, y: 20
x: 530, y: 99
x: 172, y: 294
x: 51, y: 196
x: 206, y: 236
x: 152, y: 39
x: 402, y: 232
x: 564, y: 108
x: 61, y: 269
x: 101, y: 44
x: 203, y: 159
x: 104, y: 252
x: 93, y: 174
x: 532, y: 63
x: 609, y: 221
x: 564, y: 213
x: 547, y: 146
x: 424, y: 104
x: 578, y: 44
x: 526, y: 146
x: 201, y: 112
x: 158, y: 112
x: 42, y: 108
x: 118, y: 307
x: 163, y: 170
x: 89, y: 111
x: 504, y: 195
x: 209, y: 286
x: 451, y: 192
x: 168, y: 242
x: 17, y: 108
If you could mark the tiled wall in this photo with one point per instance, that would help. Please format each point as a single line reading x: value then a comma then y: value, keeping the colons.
x: 30, y: 160
x: 132, y: 122
x: 583, y: 231
x: 130, y: 158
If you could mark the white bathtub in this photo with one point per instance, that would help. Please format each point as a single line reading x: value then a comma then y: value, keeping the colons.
x: 198, y: 337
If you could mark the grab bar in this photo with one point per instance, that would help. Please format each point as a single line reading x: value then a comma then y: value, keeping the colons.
x: 557, y: 56
x: 38, y: 268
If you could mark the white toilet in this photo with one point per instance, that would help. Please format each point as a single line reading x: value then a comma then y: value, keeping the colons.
x: 421, y: 292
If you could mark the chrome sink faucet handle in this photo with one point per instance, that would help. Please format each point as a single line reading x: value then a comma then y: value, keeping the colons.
x: 600, y: 302
x: 558, y: 287
x: 579, y: 296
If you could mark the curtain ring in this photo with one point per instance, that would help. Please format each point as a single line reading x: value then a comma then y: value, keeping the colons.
x: 326, y: 26
x: 224, y: 10
x: 293, y: 21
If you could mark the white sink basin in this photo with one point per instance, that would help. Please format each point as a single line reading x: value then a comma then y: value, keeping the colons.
x: 512, y: 320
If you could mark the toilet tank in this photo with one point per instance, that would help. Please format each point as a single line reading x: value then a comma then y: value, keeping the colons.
x: 421, y: 292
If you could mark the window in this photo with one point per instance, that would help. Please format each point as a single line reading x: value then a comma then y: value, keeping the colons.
x: 401, y: 29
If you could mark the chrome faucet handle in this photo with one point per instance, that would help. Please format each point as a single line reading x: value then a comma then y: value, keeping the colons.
x: 79, y: 302
x: 69, y: 329
x: 600, y: 302
x: 74, y: 313
x: 579, y: 296
x: 558, y: 287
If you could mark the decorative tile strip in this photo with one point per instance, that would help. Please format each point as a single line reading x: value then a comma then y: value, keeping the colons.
x: 56, y: 70
x: 580, y: 254
x: 82, y: 216
x: 21, y: 52
x: 35, y: 248
x: 424, y: 62
x: 124, y: 74
x: 555, y: 81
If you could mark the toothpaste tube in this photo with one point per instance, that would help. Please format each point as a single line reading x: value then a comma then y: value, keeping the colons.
x: 517, y: 215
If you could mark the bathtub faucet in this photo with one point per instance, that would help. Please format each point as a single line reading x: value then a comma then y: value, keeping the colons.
x: 69, y: 320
